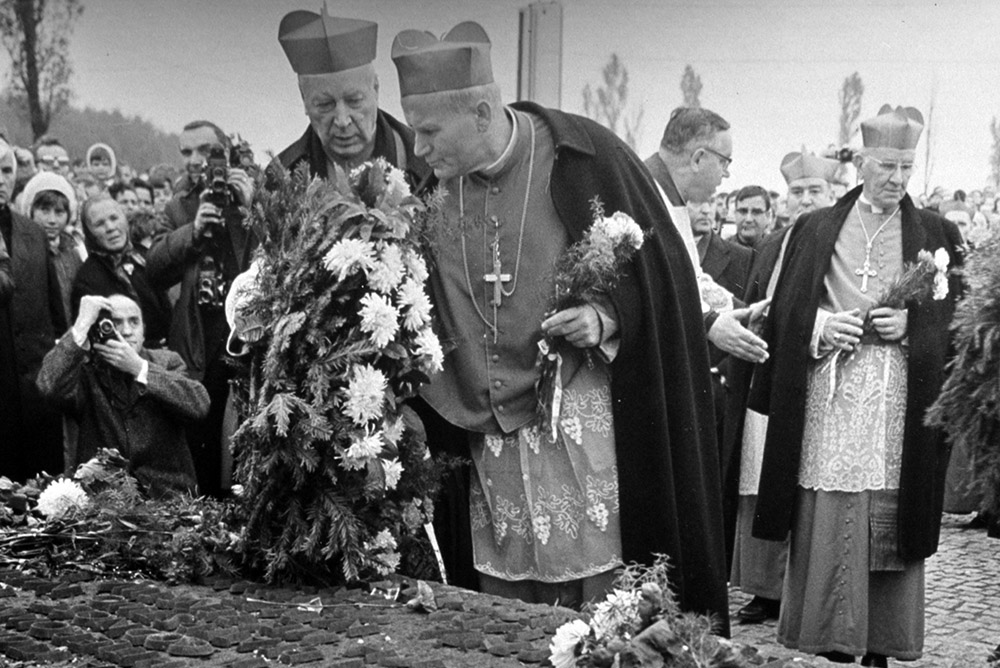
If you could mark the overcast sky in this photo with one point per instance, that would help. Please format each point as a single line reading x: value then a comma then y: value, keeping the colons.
x: 773, y: 68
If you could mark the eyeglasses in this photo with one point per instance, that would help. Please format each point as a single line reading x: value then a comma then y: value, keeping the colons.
x: 51, y: 162
x: 724, y: 159
x: 890, y: 166
x: 744, y: 211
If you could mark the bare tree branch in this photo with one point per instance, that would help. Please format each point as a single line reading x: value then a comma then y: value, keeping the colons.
x: 607, y: 104
x: 35, y: 34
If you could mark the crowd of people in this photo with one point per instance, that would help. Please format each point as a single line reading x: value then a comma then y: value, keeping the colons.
x: 752, y: 410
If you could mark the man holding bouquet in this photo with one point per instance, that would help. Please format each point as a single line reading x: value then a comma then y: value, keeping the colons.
x: 632, y: 467
x: 849, y: 467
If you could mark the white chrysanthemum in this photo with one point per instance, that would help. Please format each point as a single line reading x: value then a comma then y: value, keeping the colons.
x: 428, y: 344
x: 393, y: 430
x: 616, y: 615
x: 60, y: 497
x: 365, y: 447
x: 397, y: 189
x: 621, y: 228
x: 415, y: 303
x: 941, y: 259
x: 415, y: 265
x: 379, y: 319
x: 387, y: 563
x: 562, y: 647
x: 365, y: 394
x: 393, y: 469
x: 388, y: 271
x: 383, y: 540
x: 349, y: 255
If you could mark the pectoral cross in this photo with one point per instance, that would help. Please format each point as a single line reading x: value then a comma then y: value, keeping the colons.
x: 497, y: 278
x: 865, y: 270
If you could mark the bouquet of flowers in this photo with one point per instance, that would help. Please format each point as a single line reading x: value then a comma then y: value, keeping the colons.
x: 927, y: 277
x: 639, y: 624
x: 586, y: 272
x: 334, y: 467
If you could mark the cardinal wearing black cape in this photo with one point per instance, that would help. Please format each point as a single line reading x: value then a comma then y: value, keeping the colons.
x: 520, y: 180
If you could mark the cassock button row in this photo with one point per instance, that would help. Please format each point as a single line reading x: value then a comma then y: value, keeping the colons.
x: 493, y: 219
x: 497, y: 384
x: 496, y: 358
x: 495, y: 190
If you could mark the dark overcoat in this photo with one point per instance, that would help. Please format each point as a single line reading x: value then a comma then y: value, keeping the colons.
x: 668, y: 466
x: 145, y: 423
x: 175, y: 257
x: 30, y: 321
x: 781, y: 392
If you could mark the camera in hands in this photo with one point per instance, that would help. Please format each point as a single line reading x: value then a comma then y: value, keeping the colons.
x: 103, y: 329
x: 217, y: 190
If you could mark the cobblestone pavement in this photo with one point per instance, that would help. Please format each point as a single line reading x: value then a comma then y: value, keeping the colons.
x: 962, y: 619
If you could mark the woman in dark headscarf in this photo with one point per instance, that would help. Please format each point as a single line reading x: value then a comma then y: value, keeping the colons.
x: 114, y: 267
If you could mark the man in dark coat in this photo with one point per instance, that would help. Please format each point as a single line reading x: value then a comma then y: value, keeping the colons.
x: 125, y: 396
x: 693, y: 158
x: 30, y: 432
x: 333, y: 60
x: 201, y: 242
x: 847, y: 458
x: 660, y: 389
x: 759, y: 566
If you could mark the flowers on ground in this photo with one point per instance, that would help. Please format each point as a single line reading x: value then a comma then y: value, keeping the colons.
x: 60, y: 498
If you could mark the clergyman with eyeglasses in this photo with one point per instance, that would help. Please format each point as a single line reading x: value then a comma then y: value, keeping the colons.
x: 849, y: 468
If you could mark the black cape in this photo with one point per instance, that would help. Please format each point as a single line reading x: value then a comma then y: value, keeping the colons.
x: 781, y: 390
x: 668, y: 466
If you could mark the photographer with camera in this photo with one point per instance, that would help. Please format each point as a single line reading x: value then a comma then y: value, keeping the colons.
x: 201, y: 242
x: 125, y: 396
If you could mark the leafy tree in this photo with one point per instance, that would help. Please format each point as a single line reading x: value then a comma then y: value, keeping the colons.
x: 607, y: 104
x: 850, y: 107
x: 35, y: 34
x: 995, y: 152
x: 691, y: 87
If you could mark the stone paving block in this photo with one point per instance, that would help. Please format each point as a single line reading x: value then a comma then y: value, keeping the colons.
x: 190, y: 647
x: 26, y: 650
x: 300, y: 655
x: 295, y: 632
x: 248, y: 662
x: 46, y: 629
x: 120, y: 628
x: 533, y: 655
x: 223, y: 638
x: 320, y: 638
x: 137, y: 636
x: 463, y: 639
x: 346, y: 663
x: 66, y: 590
x: 22, y: 622
x: 362, y: 631
x: 256, y: 643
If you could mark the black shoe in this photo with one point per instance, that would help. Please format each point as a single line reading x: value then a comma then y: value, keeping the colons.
x: 876, y: 660
x: 837, y: 657
x: 758, y: 610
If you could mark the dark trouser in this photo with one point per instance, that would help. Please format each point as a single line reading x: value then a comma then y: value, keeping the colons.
x: 205, y: 436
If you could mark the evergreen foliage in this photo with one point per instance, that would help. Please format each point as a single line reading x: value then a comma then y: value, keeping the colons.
x: 320, y: 503
x: 968, y: 407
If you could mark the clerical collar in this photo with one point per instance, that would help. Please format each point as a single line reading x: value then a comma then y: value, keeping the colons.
x: 874, y: 208
x: 497, y: 165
